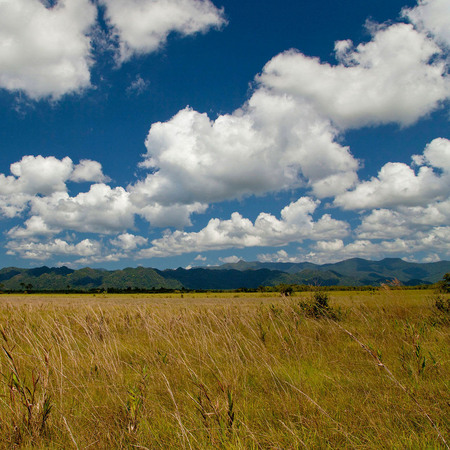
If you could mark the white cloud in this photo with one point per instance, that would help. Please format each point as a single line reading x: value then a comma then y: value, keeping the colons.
x: 435, y: 241
x: 96, y: 259
x: 330, y: 246
x: 230, y: 259
x: 30, y: 176
x: 279, y: 256
x: 436, y: 154
x: 43, y: 176
x: 200, y: 258
x: 142, y: 26
x: 432, y: 16
x: 296, y: 224
x: 46, y: 250
x: 34, y: 226
x: 13, y: 205
x: 272, y: 143
x: 284, y: 137
x: 45, y: 52
x: 397, y: 184
x: 392, y: 78
x: 138, y: 86
x: 404, y: 222
x: 100, y: 210
x: 127, y: 241
x: 158, y: 215
x: 432, y: 257
x: 88, y: 170
x: 37, y: 175
x: 383, y: 224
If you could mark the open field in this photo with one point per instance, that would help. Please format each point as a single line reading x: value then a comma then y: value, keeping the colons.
x: 225, y: 371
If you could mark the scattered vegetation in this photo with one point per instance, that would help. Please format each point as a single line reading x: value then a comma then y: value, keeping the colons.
x: 317, y: 306
x: 351, y: 369
x: 444, y: 285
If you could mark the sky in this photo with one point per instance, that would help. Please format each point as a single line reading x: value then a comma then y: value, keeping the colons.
x: 184, y: 133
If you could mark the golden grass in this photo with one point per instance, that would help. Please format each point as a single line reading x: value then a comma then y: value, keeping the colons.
x: 223, y: 371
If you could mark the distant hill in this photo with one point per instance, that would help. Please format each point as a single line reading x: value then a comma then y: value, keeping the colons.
x: 63, y: 278
x: 356, y: 271
x: 351, y: 272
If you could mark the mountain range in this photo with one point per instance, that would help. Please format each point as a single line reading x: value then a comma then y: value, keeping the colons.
x: 351, y: 272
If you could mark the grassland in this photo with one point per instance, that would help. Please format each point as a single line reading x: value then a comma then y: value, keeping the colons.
x: 230, y: 371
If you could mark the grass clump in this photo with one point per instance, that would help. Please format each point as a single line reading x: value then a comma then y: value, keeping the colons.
x: 442, y: 304
x: 28, y: 399
x: 441, y: 308
x: 317, y: 306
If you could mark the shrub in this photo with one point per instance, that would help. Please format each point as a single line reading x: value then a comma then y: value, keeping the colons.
x: 442, y: 304
x: 285, y: 289
x: 441, y: 309
x: 317, y: 306
x: 445, y: 283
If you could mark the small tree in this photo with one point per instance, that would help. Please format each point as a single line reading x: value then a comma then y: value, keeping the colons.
x: 443, y: 286
x: 285, y: 289
x: 446, y: 282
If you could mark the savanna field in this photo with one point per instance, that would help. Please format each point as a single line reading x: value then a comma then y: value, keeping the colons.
x: 234, y: 371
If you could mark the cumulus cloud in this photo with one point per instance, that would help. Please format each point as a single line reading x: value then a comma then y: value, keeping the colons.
x: 46, y: 250
x: 37, y: 175
x: 272, y: 143
x: 143, y: 26
x: 13, y: 205
x: 42, y: 176
x: 330, y: 246
x: 100, y: 210
x: 436, y: 154
x: 287, y: 135
x: 31, y: 176
x: 279, y: 256
x: 88, y: 170
x: 174, y: 215
x: 392, y: 78
x: 34, y: 226
x: 127, y: 241
x: 230, y: 259
x: 45, y: 51
x: 398, y: 184
x: 295, y: 225
x: 404, y: 221
x: 433, y: 245
x: 432, y: 16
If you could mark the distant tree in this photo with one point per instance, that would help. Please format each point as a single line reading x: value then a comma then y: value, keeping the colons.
x: 285, y: 289
x: 445, y: 283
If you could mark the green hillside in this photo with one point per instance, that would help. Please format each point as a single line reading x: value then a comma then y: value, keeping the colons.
x: 352, y: 272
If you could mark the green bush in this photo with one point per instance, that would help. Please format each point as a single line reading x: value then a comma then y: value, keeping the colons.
x: 317, y: 306
x: 445, y: 286
x: 285, y: 289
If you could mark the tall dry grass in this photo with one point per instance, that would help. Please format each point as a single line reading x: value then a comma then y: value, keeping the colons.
x: 224, y: 372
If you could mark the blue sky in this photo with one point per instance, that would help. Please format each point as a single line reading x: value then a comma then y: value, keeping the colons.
x: 170, y: 133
